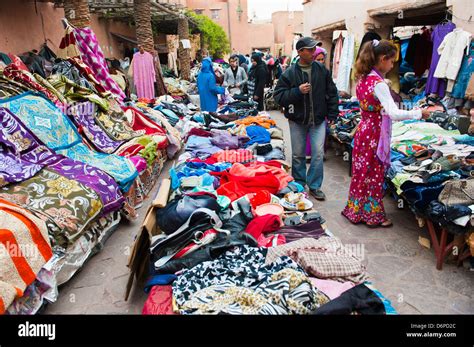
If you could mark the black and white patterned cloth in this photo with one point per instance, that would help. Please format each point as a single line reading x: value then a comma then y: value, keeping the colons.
x: 239, y: 282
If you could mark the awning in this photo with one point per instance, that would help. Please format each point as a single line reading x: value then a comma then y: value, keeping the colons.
x: 422, y: 12
x: 329, y: 28
x: 161, y: 48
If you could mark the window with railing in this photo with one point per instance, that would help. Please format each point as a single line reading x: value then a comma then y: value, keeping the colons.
x: 215, y: 14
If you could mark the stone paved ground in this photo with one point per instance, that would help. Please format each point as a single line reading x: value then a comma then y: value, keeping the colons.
x: 399, y: 266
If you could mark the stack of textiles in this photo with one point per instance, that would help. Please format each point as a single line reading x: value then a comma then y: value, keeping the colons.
x: 217, y: 255
x: 425, y: 157
x: 74, y: 160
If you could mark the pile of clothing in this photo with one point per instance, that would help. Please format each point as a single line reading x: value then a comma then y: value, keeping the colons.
x: 432, y: 168
x: 346, y: 124
x: 74, y: 159
x: 226, y: 244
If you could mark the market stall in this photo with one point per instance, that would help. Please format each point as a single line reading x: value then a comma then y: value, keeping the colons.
x: 431, y: 162
x: 75, y: 158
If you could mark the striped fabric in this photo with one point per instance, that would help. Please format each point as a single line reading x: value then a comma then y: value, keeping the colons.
x: 24, y: 249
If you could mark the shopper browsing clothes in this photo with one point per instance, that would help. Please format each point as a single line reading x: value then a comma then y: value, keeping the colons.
x: 320, y: 57
x: 308, y: 94
x: 235, y: 76
x: 207, y: 87
x: 371, y: 154
x: 258, y: 77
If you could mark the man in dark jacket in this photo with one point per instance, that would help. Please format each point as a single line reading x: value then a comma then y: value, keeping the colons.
x: 258, y: 77
x: 309, y: 96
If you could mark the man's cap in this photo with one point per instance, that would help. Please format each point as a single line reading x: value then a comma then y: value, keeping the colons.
x: 306, y: 42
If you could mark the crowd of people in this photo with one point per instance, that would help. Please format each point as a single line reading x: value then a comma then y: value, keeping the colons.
x: 305, y: 90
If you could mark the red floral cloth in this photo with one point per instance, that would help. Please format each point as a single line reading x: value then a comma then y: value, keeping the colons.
x: 366, y: 190
x: 18, y: 74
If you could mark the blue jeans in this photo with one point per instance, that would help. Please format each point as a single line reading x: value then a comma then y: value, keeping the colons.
x: 313, y: 178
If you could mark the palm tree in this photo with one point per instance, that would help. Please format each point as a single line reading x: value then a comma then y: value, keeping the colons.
x: 184, y: 55
x: 77, y: 12
x: 142, y: 14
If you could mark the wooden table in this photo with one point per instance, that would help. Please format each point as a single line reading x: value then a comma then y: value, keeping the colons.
x: 441, y: 246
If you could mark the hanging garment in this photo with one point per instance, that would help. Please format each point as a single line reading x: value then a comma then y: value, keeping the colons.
x: 410, y: 54
x: 239, y: 282
x: 433, y: 84
x: 337, y: 57
x: 21, y: 230
x: 58, y: 133
x: 452, y: 50
x: 92, y: 55
x: 394, y: 75
x: 465, y: 73
x: 143, y: 69
x: 68, y: 47
x: 368, y: 36
x: 345, y: 65
x: 173, y: 63
x: 423, y: 51
x: 26, y: 155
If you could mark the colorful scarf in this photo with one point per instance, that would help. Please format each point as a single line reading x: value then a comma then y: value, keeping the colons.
x: 94, y: 58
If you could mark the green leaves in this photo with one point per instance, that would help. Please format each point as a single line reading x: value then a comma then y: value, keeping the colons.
x: 213, y: 35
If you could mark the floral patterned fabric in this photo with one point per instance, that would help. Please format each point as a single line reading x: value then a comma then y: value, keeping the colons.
x: 115, y: 124
x: 26, y: 155
x: 58, y: 133
x: 15, y: 73
x: 83, y: 116
x: 366, y: 190
x: 67, y: 206
x: 22, y: 155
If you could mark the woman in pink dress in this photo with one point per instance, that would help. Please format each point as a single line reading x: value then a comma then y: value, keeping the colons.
x: 371, y: 154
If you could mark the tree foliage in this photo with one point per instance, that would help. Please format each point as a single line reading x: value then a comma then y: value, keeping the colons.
x: 214, y: 37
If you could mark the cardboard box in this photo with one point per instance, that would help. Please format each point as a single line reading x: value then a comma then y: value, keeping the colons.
x: 140, y: 254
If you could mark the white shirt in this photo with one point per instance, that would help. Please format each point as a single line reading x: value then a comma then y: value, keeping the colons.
x: 452, y: 50
x: 382, y: 92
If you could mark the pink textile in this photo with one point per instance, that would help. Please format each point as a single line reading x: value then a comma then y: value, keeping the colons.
x: 332, y: 289
x: 139, y: 163
x: 144, y: 75
x: 93, y: 57
x: 337, y: 56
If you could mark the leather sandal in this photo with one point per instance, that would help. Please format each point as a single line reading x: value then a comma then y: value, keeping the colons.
x: 385, y: 224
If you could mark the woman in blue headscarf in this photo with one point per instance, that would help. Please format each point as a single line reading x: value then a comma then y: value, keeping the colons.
x: 208, y: 90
